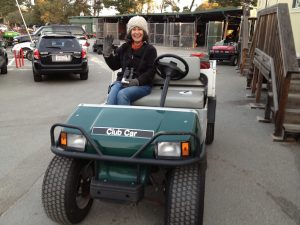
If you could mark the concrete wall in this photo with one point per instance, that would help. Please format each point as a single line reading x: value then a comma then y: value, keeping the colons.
x: 294, y: 15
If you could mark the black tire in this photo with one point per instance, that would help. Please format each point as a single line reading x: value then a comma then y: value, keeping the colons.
x: 210, y: 133
x: 84, y: 76
x: 99, y: 50
x: 185, y: 196
x: 29, y: 55
x: 4, y: 70
x: 66, y: 182
x: 37, y: 77
x: 234, y: 60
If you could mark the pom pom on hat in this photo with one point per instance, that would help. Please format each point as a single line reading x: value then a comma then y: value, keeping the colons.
x: 137, y: 21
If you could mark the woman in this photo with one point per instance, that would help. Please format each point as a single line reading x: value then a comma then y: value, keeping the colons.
x: 135, y: 58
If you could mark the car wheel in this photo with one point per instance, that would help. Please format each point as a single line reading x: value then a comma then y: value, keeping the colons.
x: 234, y: 60
x: 185, y: 196
x: 37, y: 76
x: 210, y: 133
x: 29, y: 55
x: 66, y: 190
x: 84, y: 76
x: 4, y: 70
x: 99, y: 50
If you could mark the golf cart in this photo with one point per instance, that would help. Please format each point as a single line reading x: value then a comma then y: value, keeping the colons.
x: 225, y: 50
x: 112, y: 151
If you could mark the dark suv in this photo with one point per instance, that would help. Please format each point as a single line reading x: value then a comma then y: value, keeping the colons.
x: 59, y: 53
x: 77, y: 31
x: 3, y: 58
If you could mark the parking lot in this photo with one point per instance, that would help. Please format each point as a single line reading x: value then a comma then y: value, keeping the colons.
x: 250, y: 179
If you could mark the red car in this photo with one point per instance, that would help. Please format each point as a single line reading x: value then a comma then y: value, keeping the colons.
x: 224, y: 51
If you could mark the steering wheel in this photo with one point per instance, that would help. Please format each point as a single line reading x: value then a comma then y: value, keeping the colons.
x: 171, y: 69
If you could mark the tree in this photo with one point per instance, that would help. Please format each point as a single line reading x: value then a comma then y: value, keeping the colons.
x: 62, y: 10
x: 188, y: 9
x: 206, y: 6
x: 169, y: 3
x: 97, y: 7
x: 122, y: 6
x: 80, y: 6
x: 234, y: 3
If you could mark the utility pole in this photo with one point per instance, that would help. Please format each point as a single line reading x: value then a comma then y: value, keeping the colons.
x: 23, y: 20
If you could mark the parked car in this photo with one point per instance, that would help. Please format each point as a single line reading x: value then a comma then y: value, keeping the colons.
x: 83, y: 41
x: 224, y: 51
x: 3, y: 58
x: 27, y: 48
x: 77, y: 31
x: 59, y: 53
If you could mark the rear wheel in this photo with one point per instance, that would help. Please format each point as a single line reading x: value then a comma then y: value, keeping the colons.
x: 210, y: 133
x: 4, y: 69
x: 29, y: 55
x: 84, y: 76
x: 37, y: 76
x: 185, y: 196
x: 66, y: 190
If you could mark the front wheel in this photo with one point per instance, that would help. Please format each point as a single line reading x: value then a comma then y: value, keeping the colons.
x: 234, y: 60
x: 210, y: 133
x: 185, y: 196
x: 66, y: 190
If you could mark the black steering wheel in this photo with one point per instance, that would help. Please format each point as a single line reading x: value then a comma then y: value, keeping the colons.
x: 171, y: 69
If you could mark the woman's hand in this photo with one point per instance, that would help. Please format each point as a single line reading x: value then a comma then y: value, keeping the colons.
x: 108, y: 45
x: 131, y: 82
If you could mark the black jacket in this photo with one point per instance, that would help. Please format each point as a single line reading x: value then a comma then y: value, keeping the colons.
x: 141, y: 60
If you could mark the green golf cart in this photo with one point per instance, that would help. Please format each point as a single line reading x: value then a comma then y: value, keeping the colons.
x: 111, y: 151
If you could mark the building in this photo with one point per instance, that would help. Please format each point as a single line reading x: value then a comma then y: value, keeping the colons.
x: 201, y: 28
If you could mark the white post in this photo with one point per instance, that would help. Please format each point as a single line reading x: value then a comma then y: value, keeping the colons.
x: 23, y: 20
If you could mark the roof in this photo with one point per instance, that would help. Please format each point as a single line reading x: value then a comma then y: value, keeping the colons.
x: 212, y: 14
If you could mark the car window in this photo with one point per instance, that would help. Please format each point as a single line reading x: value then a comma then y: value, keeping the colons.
x: 59, y: 43
x: 77, y: 31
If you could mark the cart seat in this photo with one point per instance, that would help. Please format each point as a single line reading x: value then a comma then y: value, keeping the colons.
x: 188, y: 92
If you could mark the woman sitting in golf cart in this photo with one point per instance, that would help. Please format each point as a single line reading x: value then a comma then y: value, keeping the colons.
x: 135, y: 58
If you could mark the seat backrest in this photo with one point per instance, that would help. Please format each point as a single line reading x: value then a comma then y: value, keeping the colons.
x: 191, y: 79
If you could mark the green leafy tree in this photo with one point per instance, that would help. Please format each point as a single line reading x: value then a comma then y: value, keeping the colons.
x: 235, y: 3
x: 122, y: 6
x: 62, y: 10
x: 80, y: 6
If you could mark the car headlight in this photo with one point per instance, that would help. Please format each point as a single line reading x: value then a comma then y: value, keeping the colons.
x: 74, y: 141
x: 173, y: 149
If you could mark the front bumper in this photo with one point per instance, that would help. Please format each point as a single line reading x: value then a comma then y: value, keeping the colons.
x: 221, y: 56
x: 134, y: 159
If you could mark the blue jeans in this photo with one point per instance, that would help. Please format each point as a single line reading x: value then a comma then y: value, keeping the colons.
x: 119, y: 95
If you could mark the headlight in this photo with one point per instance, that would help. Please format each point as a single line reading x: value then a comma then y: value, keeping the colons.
x: 76, y: 141
x: 172, y: 149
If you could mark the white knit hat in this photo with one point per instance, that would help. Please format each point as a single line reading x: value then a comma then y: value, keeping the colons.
x: 137, y: 21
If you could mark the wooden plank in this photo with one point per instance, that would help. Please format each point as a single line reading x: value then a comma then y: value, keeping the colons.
x: 290, y: 63
x: 266, y: 11
x: 293, y: 128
